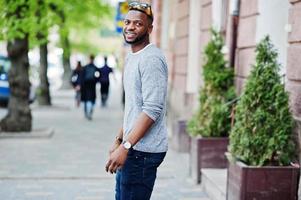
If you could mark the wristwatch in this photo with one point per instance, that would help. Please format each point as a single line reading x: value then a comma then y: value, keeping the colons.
x: 127, y: 145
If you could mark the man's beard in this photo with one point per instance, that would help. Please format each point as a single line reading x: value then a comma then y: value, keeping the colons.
x: 138, y: 40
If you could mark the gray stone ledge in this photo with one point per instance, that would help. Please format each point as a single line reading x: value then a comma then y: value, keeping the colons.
x: 52, y: 107
x: 38, y: 133
x: 96, y: 177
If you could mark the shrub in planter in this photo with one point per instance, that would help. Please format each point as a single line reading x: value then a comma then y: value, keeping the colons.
x: 262, y: 133
x: 213, y: 118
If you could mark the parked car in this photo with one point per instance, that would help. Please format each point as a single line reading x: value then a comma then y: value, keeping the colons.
x: 5, y: 65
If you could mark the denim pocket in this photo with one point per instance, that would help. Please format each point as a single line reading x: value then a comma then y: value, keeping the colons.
x: 156, y: 159
x: 132, y: 170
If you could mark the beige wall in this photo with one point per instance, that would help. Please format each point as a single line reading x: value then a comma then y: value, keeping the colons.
x: 179, y: 48
x: 269, y: 14
x: 157, y: 11
x: 193, y: 61
x: 183, y: 97
x: 246, y: 41
x: 294, y: 68
x: 294, y: 59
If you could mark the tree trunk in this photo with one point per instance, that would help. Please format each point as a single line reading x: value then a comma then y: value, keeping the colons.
x: 66, y: 62
x: 43, y: 91
x: 19, y: 117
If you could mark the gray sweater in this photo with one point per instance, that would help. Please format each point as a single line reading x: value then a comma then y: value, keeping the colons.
x: 145, y: 84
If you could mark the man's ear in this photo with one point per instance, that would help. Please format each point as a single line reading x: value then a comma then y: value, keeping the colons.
x: 150, y: 29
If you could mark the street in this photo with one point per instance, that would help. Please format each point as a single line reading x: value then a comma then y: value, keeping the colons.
x: 64, y: 157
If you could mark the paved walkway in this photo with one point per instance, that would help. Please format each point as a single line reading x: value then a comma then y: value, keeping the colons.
x: 69, y: 165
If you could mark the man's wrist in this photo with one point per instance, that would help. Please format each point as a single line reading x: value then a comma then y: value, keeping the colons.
x: 127, y: 145
x: 118, y: 140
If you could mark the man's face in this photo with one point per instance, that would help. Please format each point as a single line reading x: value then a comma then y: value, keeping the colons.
x: 136, y: 27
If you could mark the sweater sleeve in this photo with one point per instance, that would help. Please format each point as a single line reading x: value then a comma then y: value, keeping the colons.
x: 154, y: 86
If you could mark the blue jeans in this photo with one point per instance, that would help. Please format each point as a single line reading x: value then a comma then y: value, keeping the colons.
x: 88, y: 107
x: 136, y: 179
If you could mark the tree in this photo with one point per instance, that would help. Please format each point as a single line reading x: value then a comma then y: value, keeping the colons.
x: 43, y: 93
x: 77, y: 15
x: 26, y: 25
x: 18, y: 28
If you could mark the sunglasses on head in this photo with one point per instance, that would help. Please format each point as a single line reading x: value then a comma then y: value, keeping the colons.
x: 143, y: 7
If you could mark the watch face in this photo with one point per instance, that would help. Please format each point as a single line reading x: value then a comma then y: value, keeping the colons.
x: 127, y: 145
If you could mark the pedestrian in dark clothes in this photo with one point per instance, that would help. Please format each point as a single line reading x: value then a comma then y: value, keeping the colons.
x: 90, y: 76
x: 76, y: 81
x: 105, y: 81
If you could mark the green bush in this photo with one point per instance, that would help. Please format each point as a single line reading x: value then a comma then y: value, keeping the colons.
x: 213, y: 118
x: 262, y: 134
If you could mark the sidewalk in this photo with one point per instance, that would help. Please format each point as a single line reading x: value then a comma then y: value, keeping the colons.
x: 69, y: 164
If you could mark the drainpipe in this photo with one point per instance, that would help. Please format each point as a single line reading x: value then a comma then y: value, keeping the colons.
x: 234, y: 12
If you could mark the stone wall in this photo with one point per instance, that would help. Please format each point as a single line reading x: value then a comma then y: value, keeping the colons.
x: 181, y: 102
x: 293, y: 84
x: 246, y: 41
x: 157, y: 11
x: 294, y: 59
x: 206, y: 22
x: 179, y: 19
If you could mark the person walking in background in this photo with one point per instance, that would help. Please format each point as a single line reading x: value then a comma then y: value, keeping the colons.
x: 76, y: 81
x: 90, y: 76
x: 141, y: 144
x: 105, y: 81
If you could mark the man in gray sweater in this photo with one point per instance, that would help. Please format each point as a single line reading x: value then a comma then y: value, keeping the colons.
x: 141, y: 144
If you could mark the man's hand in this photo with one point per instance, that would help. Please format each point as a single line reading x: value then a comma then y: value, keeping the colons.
x: 117, y: 159
x: 115, y: 145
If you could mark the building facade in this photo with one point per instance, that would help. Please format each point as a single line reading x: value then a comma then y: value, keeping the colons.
x: 182, y: 30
